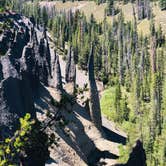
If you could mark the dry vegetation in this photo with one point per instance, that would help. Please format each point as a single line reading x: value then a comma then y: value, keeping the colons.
x: 89, y: 7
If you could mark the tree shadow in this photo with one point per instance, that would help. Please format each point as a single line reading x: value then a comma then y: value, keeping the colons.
x: 82, y: 111
x: 114, y: 137
x: 83, y: 145
x: 97, y: 155
x: 79, y: 140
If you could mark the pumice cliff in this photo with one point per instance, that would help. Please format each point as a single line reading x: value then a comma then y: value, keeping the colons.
x: 25, y: 63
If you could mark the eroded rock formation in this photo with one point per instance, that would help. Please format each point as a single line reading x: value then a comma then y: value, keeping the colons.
x: 44, y: 59
x: 70, y: 71
x: 94, y: 103
x: 56, y: 81
x: 70, y: 75
x: 25, y: 62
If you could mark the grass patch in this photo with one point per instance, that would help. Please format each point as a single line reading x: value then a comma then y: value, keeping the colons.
x: 107, y: 102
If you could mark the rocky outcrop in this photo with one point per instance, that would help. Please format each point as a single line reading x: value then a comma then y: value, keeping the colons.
x: 24, y: 64
x: 94, y: 104
x: 70, y: 71
x: 19, y: 42
x: 56, y: 80
x: 70, y: 75
x: 29, y: 67
x: 5, y: 43
x: 15, y: 101
x: 44, y: 60
x: 1, y: 74
x: 16, y: 97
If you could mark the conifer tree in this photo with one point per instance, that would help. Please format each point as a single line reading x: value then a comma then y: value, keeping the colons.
x: 110, y: 8
x: 120, y: 47
x: 163, y: 4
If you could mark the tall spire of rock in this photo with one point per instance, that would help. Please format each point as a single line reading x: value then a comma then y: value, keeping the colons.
x: 95, y: 111
x: 20, y: 41
x: 28, y: 66
x: 56, y: 80
x: 70, y: 75
x: 58, y: 73
x: 1, y: 73
x: 44, y: 59
x: 68, y: 64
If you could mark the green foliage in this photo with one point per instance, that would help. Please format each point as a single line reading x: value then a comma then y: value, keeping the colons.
x: 163, y: 4
x: 132, y: 66
x: 114, y: 105
x: 11, y: 148
x: 29, y: 141
x: 2, y: 5
x: 123, y: 153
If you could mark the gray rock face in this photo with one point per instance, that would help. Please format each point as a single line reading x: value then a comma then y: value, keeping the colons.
x: 15, y: 101
x: 5, y: 41
x: 1, y: 74
x: 8, y: 69
x: 70, y: 75
x: 24, y: 64
x: 16, y: 96
x: 44, y: 60
x: 56, y: 80
x: 94, y: 104
x: 29, y: 67
x: 19, y: 43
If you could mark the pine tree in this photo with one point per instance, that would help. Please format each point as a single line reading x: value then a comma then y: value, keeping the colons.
x: 120, y: 47
x: 45, y: 16
x: 2, y: 4
x: 110, y: 8
x: 117, y: 97
x: 163, y: 4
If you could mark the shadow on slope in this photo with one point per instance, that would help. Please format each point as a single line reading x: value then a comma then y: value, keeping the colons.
x: 114, y: 137
x: 77, y: 138
x: 81, y: 143
x: 137, y: 156
x: 94, y: 159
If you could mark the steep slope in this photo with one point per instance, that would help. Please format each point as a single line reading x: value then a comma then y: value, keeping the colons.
x: 78, y: 141
x: 25, y: 63
x: 81, y: 134
x: 31, y: 82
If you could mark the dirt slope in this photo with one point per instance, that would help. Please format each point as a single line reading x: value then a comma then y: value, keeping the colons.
x: 78, y: 142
